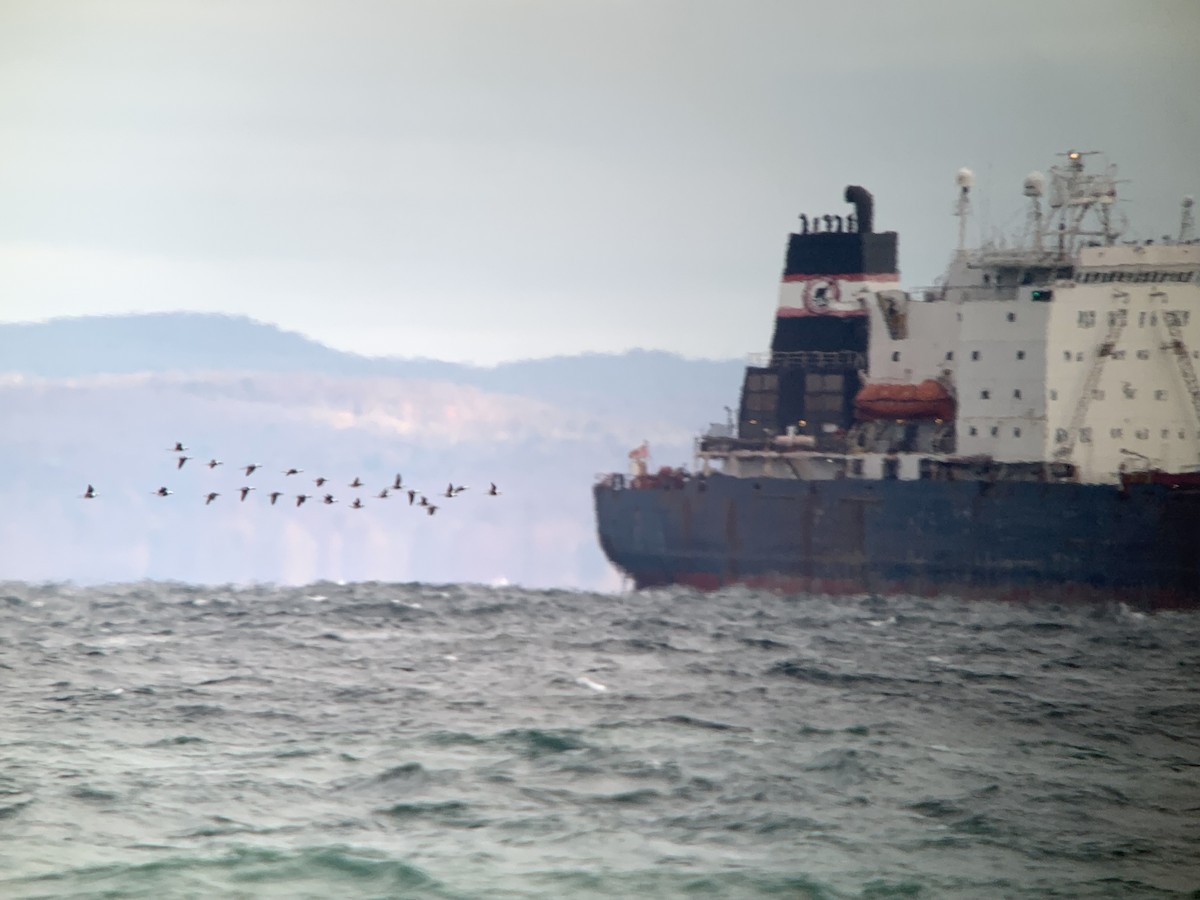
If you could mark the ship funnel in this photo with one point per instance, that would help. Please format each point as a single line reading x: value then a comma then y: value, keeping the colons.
x: 863, y: 207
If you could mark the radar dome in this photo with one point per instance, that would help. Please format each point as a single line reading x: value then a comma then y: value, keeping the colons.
x: 1035, y: 184
x: 965, y: 178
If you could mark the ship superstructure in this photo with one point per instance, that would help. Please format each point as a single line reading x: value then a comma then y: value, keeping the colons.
x: 1061, y: 370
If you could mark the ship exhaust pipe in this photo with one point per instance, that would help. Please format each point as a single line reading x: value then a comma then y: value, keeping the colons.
x: 864, y: 207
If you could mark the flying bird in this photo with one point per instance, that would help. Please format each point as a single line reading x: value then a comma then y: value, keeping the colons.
x: 212, y: 495
x: 89, y: 494
x: 492, y: 492
x: 275, y: 495
x: 292, y: 471
x: 245, y: 491
x: 412, y: 495
x: 182, y: 460
x: 300, y: 498
x: 162, y: 492
x: 449, y: 490
x: 178, y: 448
x: 320, y: 480
x: 357, y: 504
x: 424, y: 501
x: 382, y: 495
x: 250, y: 469
x: 459, y: 489
x: 329, y: 499
x: 431, y: 509
x: 213, y: 463
x: 397, y: 485
x: 356, y: 483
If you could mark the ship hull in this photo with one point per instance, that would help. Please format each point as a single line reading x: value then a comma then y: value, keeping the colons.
x: 1015, y: 540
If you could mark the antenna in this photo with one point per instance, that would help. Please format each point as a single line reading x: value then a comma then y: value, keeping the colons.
x: 965, y: 179
x: 1035, y: 186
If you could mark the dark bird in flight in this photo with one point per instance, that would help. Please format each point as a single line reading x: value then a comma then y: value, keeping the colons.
x: 212, y: 495
x: 492, y: 492
x: 292, y: 471
x: 162, y: 492
x: 397, y: 485
x: 245, y: 491
x: 357, y: 504
x: 449, y: 490
x: 300, y: 498
x: 89, y: 494
x: 250, y: 469
x: 431, y: 509
x: 178, y: 448
x: 329, y: 499
x: 275, y: 495
x: 356, y: 483
x: 382, y: 495
x: 458, y: 489
x: 424, y: 501
x: 182, y: 460
x: 320, y: 480
x: 213, y: 463
x: 412, y: 495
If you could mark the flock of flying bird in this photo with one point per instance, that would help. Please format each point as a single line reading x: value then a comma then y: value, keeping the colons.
x: 415, y: 497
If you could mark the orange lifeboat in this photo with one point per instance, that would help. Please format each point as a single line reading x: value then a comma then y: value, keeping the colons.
x: 927, y: 400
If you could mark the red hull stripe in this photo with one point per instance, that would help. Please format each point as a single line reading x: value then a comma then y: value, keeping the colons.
x: 881, y: 276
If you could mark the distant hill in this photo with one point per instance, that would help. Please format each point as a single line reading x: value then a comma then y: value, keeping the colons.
x: 99, y: 400
x: 638, y: 382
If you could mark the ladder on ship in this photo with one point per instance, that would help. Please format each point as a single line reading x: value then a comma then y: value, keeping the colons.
x: 1103, y: 353
x: 1179, y: 348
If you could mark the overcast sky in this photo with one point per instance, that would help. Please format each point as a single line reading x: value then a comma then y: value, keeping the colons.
x: 482, y: 180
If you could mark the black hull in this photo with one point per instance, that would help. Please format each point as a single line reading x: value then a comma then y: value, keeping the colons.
x: 1023, y: 540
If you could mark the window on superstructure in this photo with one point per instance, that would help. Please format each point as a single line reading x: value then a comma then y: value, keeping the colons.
x: 1143, y: 434
x: 1141, y: 320
x: 1160, y: 395
x: 1020, y: 354
x: 1116, y: 317
x: 1012, y: 317
x: 949, y: 355
x: 895, y: 356
x: 1098, y: 394
x: 1053, y: 394
x: 891, y: 469
x: 1085, y: 435
x: 1116, y: 432
x: 1079, y: 357
x: 1143, y: 354
x: 1153, y: 318
x: 1087, y: 318
x: 972, y: 431
x: 985, y: 395
x: 1016, y: 432
x: 856, y: 467
x: 1117, y: 354
x: 995, y: 431
x: 1166, y: 433
x: 1060, y: 435
x: 1016, y: 393
x: 1067, y: 355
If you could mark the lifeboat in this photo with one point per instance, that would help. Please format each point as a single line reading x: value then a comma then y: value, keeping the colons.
x: 927, y: 400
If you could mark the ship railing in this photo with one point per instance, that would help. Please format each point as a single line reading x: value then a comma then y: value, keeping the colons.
x: 808, y: 359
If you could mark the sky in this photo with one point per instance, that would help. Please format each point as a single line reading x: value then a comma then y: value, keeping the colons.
x: 490, y: 180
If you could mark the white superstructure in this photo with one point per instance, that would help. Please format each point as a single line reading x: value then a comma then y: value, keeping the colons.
x: 1072, y: 348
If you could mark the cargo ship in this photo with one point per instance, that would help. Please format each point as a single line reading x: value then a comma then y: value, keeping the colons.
x: 1027, y: 428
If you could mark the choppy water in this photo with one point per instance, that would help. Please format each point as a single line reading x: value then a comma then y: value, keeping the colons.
x: 378, y: 740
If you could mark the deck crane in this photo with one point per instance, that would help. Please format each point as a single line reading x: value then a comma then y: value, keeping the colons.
x: 1172, y: 321
x: 1104, y: 352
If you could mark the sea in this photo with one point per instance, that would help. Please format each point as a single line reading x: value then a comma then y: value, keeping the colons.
x: 162, y: 740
